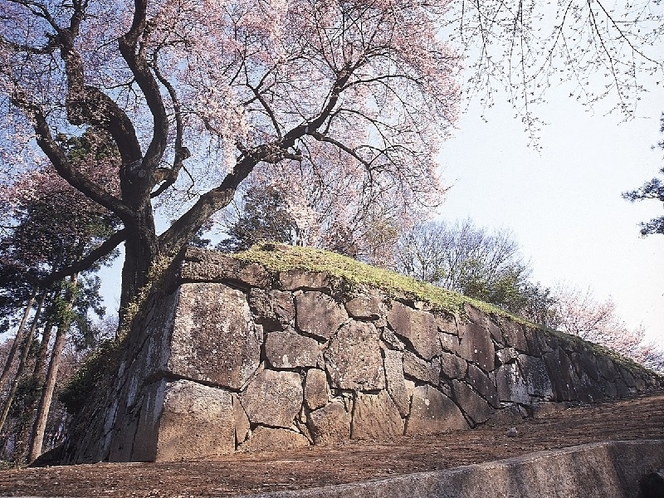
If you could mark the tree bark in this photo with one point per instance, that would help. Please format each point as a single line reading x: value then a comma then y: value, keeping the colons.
x: 17, y: 340
x: 37, y: 438
x: 21, y: 366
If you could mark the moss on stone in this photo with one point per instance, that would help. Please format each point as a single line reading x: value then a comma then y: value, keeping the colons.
x: 281, y: 257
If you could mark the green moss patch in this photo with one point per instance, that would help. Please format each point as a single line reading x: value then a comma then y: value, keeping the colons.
x: 280, y: 257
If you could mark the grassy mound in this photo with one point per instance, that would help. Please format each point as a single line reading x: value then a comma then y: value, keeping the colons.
x: 281, y: 257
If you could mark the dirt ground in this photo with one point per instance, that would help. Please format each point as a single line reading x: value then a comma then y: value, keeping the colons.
x: 638, y: 418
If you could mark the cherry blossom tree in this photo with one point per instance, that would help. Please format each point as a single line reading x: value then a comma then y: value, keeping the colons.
x: 197, y: 94
x: 578, y: 312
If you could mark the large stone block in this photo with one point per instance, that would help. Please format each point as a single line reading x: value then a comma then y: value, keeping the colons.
x: 353, y: 359
x: 561, y: 373
x: 417, y: 368
x: 196, y: 423
x: 419, y: 328
x: 273, y: 398
x: 513, y: 335
x: 375, y: 417
x: 536, y: 376
x: 366, y: 306
x: 396, y: 384
x: 214, y: 338
x: 511, y: 385
x: 477, y: 346
x: 452, y: 366
x: 432, y: 413
x: 271, y: 439
x: 208, y: 266
x: 316, y: 389
x: 273, y: 309
x: 298, y: 278
x: 290, y: 350
x: 483, y: 384
x: 330, y: 424
x: 473, y: 405
x: 318, y: 314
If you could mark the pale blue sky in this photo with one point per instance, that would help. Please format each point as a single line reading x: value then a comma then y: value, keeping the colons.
x: 564, y: 203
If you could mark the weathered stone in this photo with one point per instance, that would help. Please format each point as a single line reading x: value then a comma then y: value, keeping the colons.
x: 214, y: 338
x: 477, y: 346
x: 474, y: 315
x: 449, y: 342
x: 452, y: 367
x: 511, y: 385
x: 271, y: 439
x: 318, y: 314
x: 273, y: 398
x: 481, y: 382
x: 242, y: 424
x: 289, y: 350
x: 607, y: 368
x: 391, y: 339
x: 209, y: 266
x: 330, y: 424
x: 417, y: 327
x: 273, y: 309
x: 366, y: 306
x: 297, y: 279
x: 316, y: 389
x: 353, y: 359
x: 610, y: 390
x: 627, y: 377
x: 585, y: 359
x: 432, y: 413
x: 561, y: 373
x: 197, y: 422
x: 495, y: 331
x: 513, y: 334
x: 536, y: 341
x: 396, y: 384
x: 375, y: 416
x: 447, y: 324
x: 536, y: 376
x: 507, y: 355
x: 510, y: 415
x: 473, y: 405
x: 417, y: 368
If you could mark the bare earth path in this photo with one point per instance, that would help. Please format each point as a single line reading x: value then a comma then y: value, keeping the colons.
x: 638, y: 418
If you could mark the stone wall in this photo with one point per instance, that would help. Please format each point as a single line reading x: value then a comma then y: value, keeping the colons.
x: 237, y: 358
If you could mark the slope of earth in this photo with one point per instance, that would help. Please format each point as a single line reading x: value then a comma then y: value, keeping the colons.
x: 638, y: 418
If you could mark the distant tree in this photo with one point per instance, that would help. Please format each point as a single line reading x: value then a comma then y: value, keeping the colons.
x: 579, y: 313
x: 300, y: 209
x: 261, y: 216
x: 653, y: 189
x: 50, y: 226
x: 470, y: 260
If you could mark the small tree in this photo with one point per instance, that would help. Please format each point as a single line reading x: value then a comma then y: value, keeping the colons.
x: 262, y: 216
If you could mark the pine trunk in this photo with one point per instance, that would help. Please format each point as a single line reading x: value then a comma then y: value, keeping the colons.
x: 37, y: 438
x: 17, y: 341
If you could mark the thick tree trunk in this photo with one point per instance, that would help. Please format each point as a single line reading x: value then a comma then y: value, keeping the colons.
x: 37, y: 439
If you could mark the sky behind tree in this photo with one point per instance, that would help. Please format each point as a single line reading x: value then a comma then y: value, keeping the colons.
x: 564, y: 202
